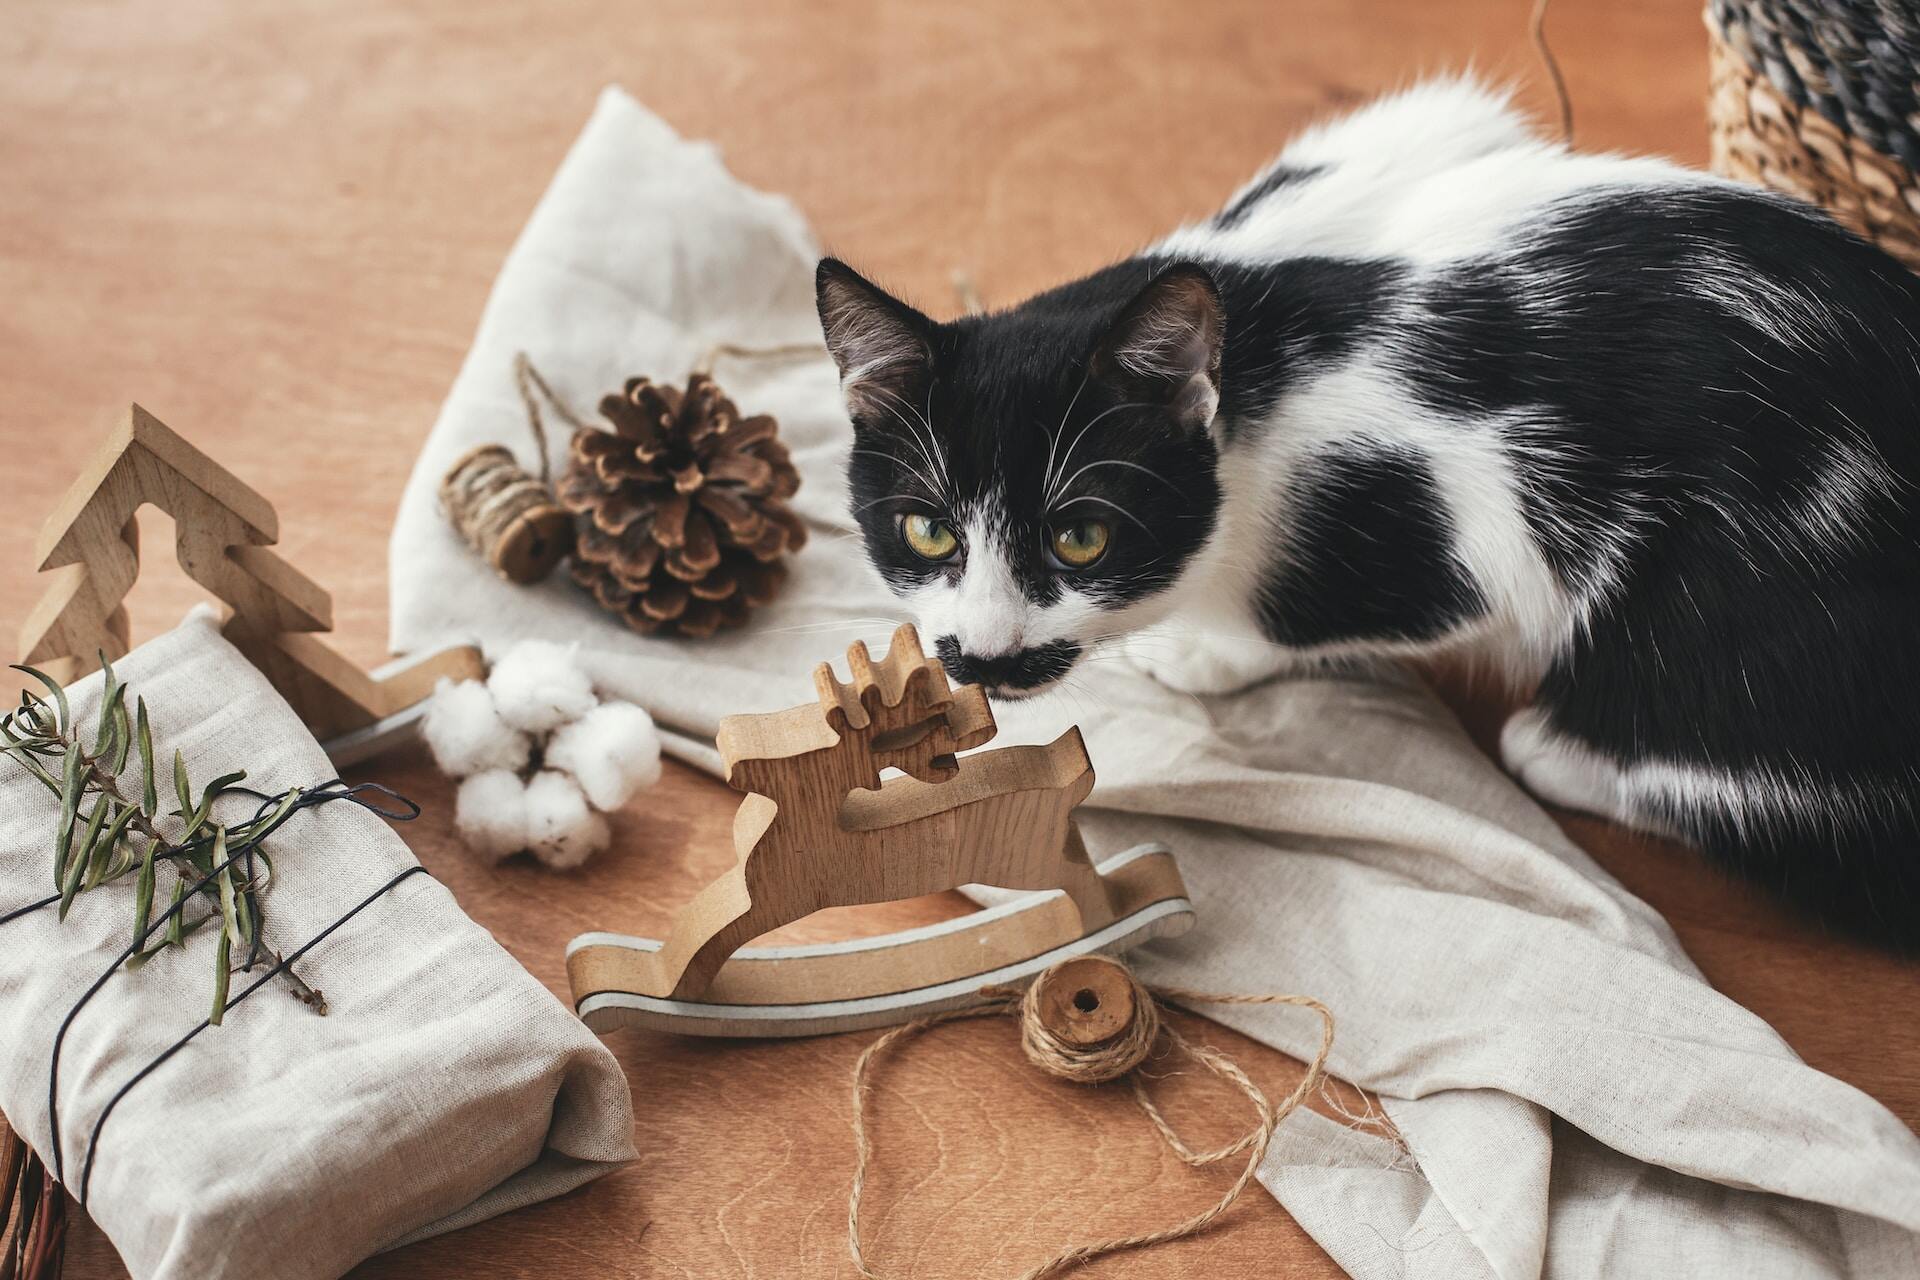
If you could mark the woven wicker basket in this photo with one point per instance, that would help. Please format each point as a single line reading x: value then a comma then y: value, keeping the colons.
x: 1817, y: 98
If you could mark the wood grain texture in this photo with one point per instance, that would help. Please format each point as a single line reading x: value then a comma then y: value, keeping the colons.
x: 276, y: 224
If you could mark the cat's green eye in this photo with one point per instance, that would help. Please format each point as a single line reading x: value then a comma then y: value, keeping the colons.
x: 928, y: 538
x: 1079, y: 543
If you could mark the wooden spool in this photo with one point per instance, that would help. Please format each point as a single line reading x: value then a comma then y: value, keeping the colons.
x: 509, y: 516
x: 1086, y: 1003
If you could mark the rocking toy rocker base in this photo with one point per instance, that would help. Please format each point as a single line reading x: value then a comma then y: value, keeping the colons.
x: 819, y: 828
x: 882, y: 980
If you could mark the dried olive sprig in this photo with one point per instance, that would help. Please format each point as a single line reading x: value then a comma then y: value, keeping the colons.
x: 103, y: 835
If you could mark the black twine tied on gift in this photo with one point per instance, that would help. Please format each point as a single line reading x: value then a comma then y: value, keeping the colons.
x: 326, y: 793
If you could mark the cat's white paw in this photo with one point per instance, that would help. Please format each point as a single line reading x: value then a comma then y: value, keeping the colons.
x: 1559, y: 770
x: 1204, y: 665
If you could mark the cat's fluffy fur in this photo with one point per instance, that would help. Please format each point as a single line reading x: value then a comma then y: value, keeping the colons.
x: 1644, y: 441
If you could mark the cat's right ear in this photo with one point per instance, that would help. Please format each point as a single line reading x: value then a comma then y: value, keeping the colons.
x: 1165, y: 346
x: 883, y: 346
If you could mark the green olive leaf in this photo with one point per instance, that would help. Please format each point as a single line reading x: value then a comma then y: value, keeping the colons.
x: 109, y: 710
x: 149, y: 799
x: 183, y: 789
x: 176, y: 931
x: 219, y: 786
x: 59, y: 696
x: 229, y: 912
x: 143, y: 895
x: 222, y: 975
x: 77, y: 864
x: 71, y: 787
x: 122, y: 735
x: 109, y: 845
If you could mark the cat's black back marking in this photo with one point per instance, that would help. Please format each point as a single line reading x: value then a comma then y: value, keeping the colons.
x: 1372, y: 557
x: 1274, y: 179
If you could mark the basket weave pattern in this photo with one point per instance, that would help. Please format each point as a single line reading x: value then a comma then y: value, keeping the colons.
x: 1816, y: 98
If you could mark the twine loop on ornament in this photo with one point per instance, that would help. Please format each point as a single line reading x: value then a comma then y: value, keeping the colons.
x: 1090, y: 1021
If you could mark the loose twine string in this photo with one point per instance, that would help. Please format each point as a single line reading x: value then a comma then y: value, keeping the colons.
x: 1537, y: 29
x: 1096, y: 1065
x: 535, y: 388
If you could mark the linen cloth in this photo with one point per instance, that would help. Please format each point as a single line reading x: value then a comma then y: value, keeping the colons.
x: 444, y: 1084
x: 1575, y: 1100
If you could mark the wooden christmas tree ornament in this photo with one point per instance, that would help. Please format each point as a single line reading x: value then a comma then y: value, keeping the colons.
x: 820, y: 828
x: 223, y: 530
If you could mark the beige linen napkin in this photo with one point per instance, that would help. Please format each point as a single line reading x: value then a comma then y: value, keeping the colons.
x: 1576, y: 1100
x: 443, y: 1086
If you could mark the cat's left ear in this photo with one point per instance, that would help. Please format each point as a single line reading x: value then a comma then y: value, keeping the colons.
x: 1165, y: 347
x: 883, y: 346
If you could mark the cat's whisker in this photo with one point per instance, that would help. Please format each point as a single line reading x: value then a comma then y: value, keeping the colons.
x: 895, y: 497
x: 1052, y: 489
x: 925, y: 444
x: 1120, y: 462
x: 902, y: 463
x: 1087, y: 497
x: 1053, y: 436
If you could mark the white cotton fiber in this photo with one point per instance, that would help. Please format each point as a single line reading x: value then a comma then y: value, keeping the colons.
x: 491, y: 813
x: 466, y: 734
x: 561, y: 830
x: 538, y: 685
x: 612, y: 751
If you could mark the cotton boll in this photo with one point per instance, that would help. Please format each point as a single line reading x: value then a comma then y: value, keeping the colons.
x: 612, y: 751
x: 538, y: 685
x: 466, y: 733
x: 491, y: 813
x: 561, y: 830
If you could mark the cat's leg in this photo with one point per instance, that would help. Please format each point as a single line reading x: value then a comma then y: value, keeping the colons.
x: 1561, y: 770
x: 1210, y: 653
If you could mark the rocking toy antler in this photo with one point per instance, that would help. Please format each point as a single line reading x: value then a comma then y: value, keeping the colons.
x: 819, y: 828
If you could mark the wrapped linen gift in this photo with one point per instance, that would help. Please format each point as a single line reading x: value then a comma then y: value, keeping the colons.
x: 442, y: 1086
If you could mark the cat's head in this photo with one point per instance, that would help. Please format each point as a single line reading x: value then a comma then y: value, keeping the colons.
x: 1035, y: 481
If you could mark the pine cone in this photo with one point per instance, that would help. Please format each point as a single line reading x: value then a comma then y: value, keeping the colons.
x: 680, y: 510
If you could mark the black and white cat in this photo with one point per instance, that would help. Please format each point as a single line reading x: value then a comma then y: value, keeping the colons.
x: 1645, y: 441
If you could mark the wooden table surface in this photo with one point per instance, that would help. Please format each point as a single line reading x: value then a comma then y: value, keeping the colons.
x: 275, y: 225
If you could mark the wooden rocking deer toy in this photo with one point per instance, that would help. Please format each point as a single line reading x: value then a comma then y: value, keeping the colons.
x: 820, y: 828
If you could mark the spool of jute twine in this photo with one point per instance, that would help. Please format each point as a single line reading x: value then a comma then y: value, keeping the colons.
x: 502, y: 510
x: 505, y: 514
x: 1089, y: 1021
